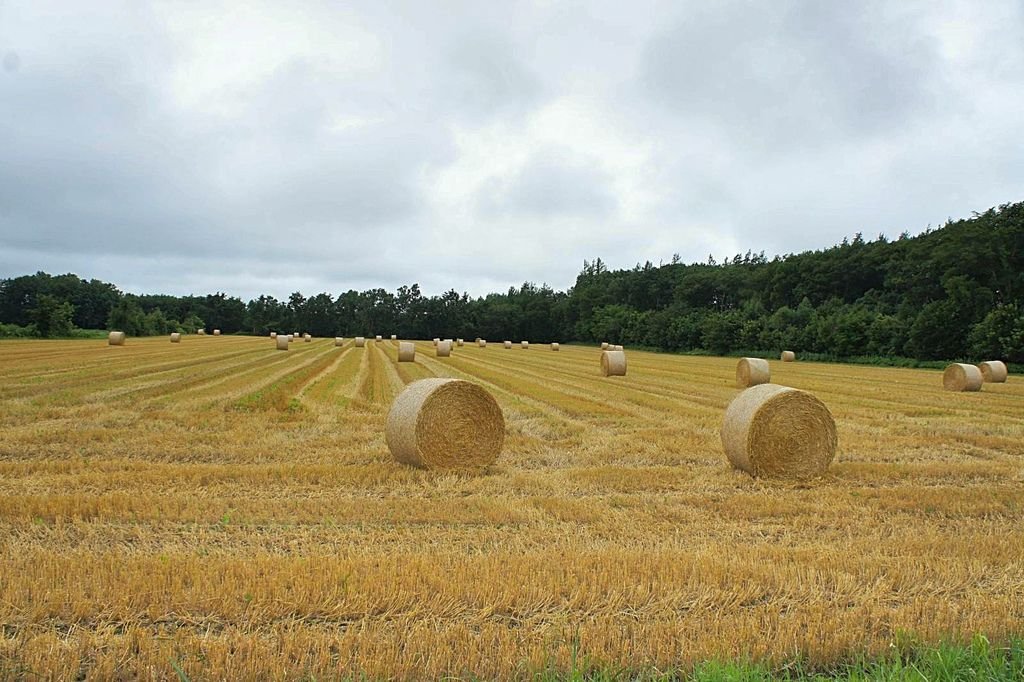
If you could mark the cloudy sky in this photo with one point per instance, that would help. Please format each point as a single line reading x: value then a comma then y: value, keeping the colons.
x: 250, y: 147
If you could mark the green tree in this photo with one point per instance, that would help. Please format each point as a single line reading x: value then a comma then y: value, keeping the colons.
x: 52, y: 318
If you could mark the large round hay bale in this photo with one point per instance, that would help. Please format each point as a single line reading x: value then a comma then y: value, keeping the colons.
x: 406, y: 351
x: 508, y: 344
x: 460, y: 343
x: 282, y: 342
x: 482, y: 343
x: 525, y: 345
x: 779, y: 432
x: 175, y: 337
x: 339, y: 340
x: 445, y: 423
x: 360, y: 341
x: 788, y: 356
x: 554, y: 346
x: 115, y: 338
x: 216, y: 332
x: 962, y: 377
x: 752, y: 371
x: 613, y: 363
x: 444, y: 348
x: 604, y: 345
x: 993, y: 372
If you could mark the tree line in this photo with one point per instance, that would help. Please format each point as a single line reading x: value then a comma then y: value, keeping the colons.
x: 952, y: 292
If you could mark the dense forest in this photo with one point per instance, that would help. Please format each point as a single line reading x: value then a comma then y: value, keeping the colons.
x: 949, y: 293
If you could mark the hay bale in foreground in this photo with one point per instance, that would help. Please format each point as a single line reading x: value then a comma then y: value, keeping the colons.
x: 993, y: 372
x: 406, y: 351
x: 282, y: 342
x: 115, y: 338
x: 962, y: 377
x: 613, y: 363
x: 482, y: 343
x: 445, y: 423
x: 175, y: 337
x: 788, y: 356
x: 525, y: 345
x: 216, y: 332
x: 339, y: 340
x: 604, y: 345
x: 444, y: 348
x: 554, y: 346
x: 779, y: 432
x: 508, y: 344
x: 360, y: 342
x: 752, y: 372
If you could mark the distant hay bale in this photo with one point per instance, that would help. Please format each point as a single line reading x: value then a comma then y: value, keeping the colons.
x: 394, y: 337
x: 962, y: 377
x: 604, y: 345
x: 554, y: 346
x: 307, y: 338
x: 993, y: 372
x: 273, y: 335
x: 444, y: 348
x: 339, y: 341
x: 779, y: 432
x: 115, y: 338
x: 445, y: 423
x: 459, y: 342
x: 436, y: 341
x: 282, y: 342
x: 307, y: 335
x: 360, y: 341
x: 290, y: 338
x: 508, y: 344
x: 613, y: 363
x: 482, y: 343
x: 616, y: 347
x: 525, y: 345
x: 450, y: 342
x: 752, y: 371
x: 788, y: 356
x: 201, y: 332
x: 216, y: 332
x: 406, y: 351
x: 378, y: 338
x: 175, y: 337
x: 295, y: 335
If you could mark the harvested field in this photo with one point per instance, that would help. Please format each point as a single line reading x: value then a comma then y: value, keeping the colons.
x: 236, y: 511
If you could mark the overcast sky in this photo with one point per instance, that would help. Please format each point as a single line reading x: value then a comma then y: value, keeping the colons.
x: 251, y: 147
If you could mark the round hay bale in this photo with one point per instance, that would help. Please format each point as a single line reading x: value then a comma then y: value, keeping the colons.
x: 436, y: 341
x: 779, y: 432
x: 289, y: 337
x: 508, y: 344
x: 613, y: 363
x: 394, y: 337
x: 201, y: 332
x: 175, y: 337
x: 339, y: 341
x: 273, y: 335
x: 115, y: 338
x: 451, y: 343
x: 788, y: 356
x: 554, y: 346
x: 282, y: 342
x: 525, y: 345
x: 360, y: 341
x: 307, y: 335
x: 406, y: 351
x: 295, y: 335
x: 616, y: 347
x: 993, y: 372
x: 307, y: 338
x: 460, y: 343
x: 444, y: 349
x: 482, y: 343
x: 604, y: 345
x: 445, y: 423
x: 752, y: 371
x: 378, y: 338
x: 216, y: 332
x: 962, y: 377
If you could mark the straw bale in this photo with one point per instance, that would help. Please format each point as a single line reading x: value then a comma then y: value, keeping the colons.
x: 282, y: 342
x: 962, y: 377
x: 360, y: 341
x: 460, y: 343
x: 307, y: 338
x: 339, y: 340
x: 613, y: 363
x: 993, y: 372
x: 436, y: 341
x: 216, y: 332
x: 406, y: 351
x: 115, y: 338
x: 779, y: 432
x: 508, y: 344
x: 482, y: 343
x: 378, y: 338
x: 443, y: 423
x: 525, y: 345
x: 752, y: 371
x: 554, y: 346
x: 175, y: 337
x: 788, y: 356
x: 273, y: 335
x: 394, y: 337
x: 201, y: 332
x: 444, y: 348
x: 604, y: 345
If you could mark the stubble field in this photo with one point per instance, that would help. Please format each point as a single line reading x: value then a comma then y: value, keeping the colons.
x: 231, y: 510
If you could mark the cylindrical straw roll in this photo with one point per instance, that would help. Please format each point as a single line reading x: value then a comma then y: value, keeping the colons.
x: 993, y: 372
x: 216, y: 332
x: 613, y: 363
x: 360, y: 341
x: 776, y: 431
x: 282, y: 342
x: 445, y: 423
x: 604, y: 345
x: 460, y: 342
x: 175, y: 337
x: 444, y: 348
x: 525, y: 345
x: 508, y: 344
x: 394, y: 337
x: 752, y: 371
x: 290, y: 338
x: 307, y: 338
x: 115, y: 338
x: 962, y: 377
x: 406, y: 351
x: 615, y: 347
x: 788, y: 356
x: 436, y: 341
x: 339, y: 341
x: 378, y: 338
x: 273, y: 335
x: 482, y: 343
x: 554, y: 346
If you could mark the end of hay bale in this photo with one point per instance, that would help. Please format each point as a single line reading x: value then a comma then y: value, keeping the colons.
x: 282, y: 342
x: 788, y: 356
x: 508, y: 344
x: 445, y: 423
x: 613, y: 363
x: 115, y: 338
x: 360, y: 342
x: 339, y: 341
x: 175, y: 337
x: 444, y: 348
x: 752, y: 372
x: 993, y: 372
x: 554, y: 346
x: 962, y: 377
x: 406, y: 351
x: 779, y: 432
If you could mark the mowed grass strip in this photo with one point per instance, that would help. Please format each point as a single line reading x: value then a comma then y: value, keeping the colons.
x: 282, y: 394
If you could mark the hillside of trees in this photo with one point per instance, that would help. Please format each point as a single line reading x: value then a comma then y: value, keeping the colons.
x: 949, y: 293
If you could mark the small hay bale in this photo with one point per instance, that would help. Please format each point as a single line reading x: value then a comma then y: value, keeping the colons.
x: 216, y: 332
x: 604, y: 345
x: 962, y: 377
x: 482, y: 343
x: 508, y: 344
x: 378, y: 338
x: 115, y: 338
x: 445, y: 423
x: 273, y: 335
x: 788, y: 356
x: 993, y: 372
x: 613, y: 363
x: 779, y: 432
x: 282, y: 342
x: 307, y: 338
x: 175, y: 337
x: 444, y: 348
x: 436, y: 341
x: 289, y: 337
x: 360, y: 342
x: 339, y: 340
x: 554, y: 346
x: 201, y: 332
x: 616, y: 347
x: 406, y: 351
x: 295, y: 334
x: 394, y: 337
x: 752, y: 371
x: 525, y: 345
x: 460, y: 343
x: 451, y: 343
